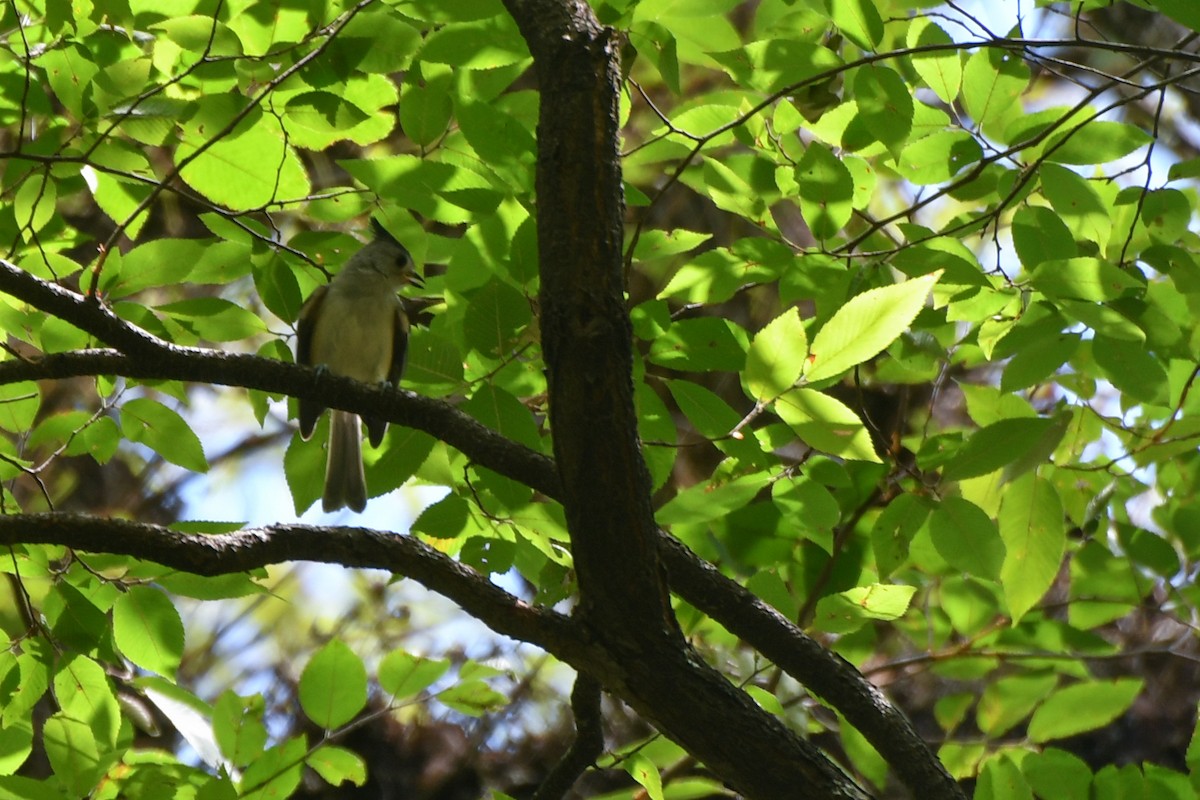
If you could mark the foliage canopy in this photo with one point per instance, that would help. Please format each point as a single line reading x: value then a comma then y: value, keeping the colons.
x: 759, y: 336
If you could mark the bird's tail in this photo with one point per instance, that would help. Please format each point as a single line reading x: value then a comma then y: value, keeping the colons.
x: 345, y: 483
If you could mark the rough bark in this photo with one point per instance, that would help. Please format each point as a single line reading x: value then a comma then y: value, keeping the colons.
x: 587, y: 344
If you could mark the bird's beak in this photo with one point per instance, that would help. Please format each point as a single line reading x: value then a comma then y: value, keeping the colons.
x: 416, y: 280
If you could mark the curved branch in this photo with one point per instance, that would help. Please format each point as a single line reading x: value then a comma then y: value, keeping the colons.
x: 222, y: 554
x: 824, y: 673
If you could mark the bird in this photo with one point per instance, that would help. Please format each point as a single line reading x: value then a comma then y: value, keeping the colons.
x: 355, y: 326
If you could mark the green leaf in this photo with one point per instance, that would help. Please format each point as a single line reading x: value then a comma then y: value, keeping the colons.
x: 938, y: 157
x: 657, y: 431
x: 894, y: 530
x: 19, y: 404
x: 1077, y: 204
x: 73, y: 753
x: 967, y: 538
x: 425, y: 113
x: 238, y: 727
x: 849, y: 610
x: 1035, y: 537
x: 1037, y: 361
x: 1001, y: 779
x: 151, y: 423
x: 246, y: 169
x: 1096, y: 142
x: 445, y: 519
x: 1083, y: 278
x: 304, y: 466
x: 434, y: 362
x: 83, y: 693
x: 1131, y: 369
x: 772, y: 64
x: 1166, y: 213
x: 188, y: 715
x: 885, y: 106
x: 148, y: 630
x: 643, y: 770
x: 214, y: 318
x: 858, y: 20
x: 776, y: 356
x: 709, y: 414
x: 1059, y: 774
x: 165, y: 262
x: 809, y: 508
x: 315, y: 119
x: 1182, y: 11
x: 1082, y: 707
x: 865, y: 325
x: 333, y: 686
x: 34, y: 203
x: 278, y: 288
x: 200, y: 34
x: 499, y: 313
x: 336, y: 765
x: 1009, y: 700
x: 505, y: 414
x: 482, y: 44
x: 941, y: 70
x: 996, y: 445
x: 16, y: 743
x: 34, y: 674
x: 826, y: 424
x: 277, y: 773
x: 1039, y: 236
x: 826, y: 191
x: 69, y: 70
x: 701, y: 344
x: 74, y: 619
x: 993, y: 79
x: 473, y: 698
x: 404, y: 675
x: 704, y: 502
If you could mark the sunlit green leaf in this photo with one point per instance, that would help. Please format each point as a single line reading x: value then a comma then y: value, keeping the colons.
x: 148, y: 630
x: 333, y: 686
x: 338, y: 765
x: 151, y: 423
x: 776, y: 356
x: 701, y: 344
x: 885, y: 105
x: 993, y: 79
x: 940, y: 69
x: 826, y: 424
x: 403, y: 675
x: 826, y: 191
x: 859, y: 20
x: 865, y: 325
x: 73, y: 753
x: 1082, y: 707
x: 967, y: 538
x: 1034, y: 534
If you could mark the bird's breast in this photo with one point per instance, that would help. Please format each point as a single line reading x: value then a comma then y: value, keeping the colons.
x: 353, y: 335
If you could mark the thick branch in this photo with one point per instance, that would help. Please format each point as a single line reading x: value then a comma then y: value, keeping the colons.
x: 353, y: 547
x: 587, y: 344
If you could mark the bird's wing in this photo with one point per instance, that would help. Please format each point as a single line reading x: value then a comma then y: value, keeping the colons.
x: 310, y: 410
x: 376, y: 428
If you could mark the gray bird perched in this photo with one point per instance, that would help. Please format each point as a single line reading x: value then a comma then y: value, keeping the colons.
x: 355, y: 326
